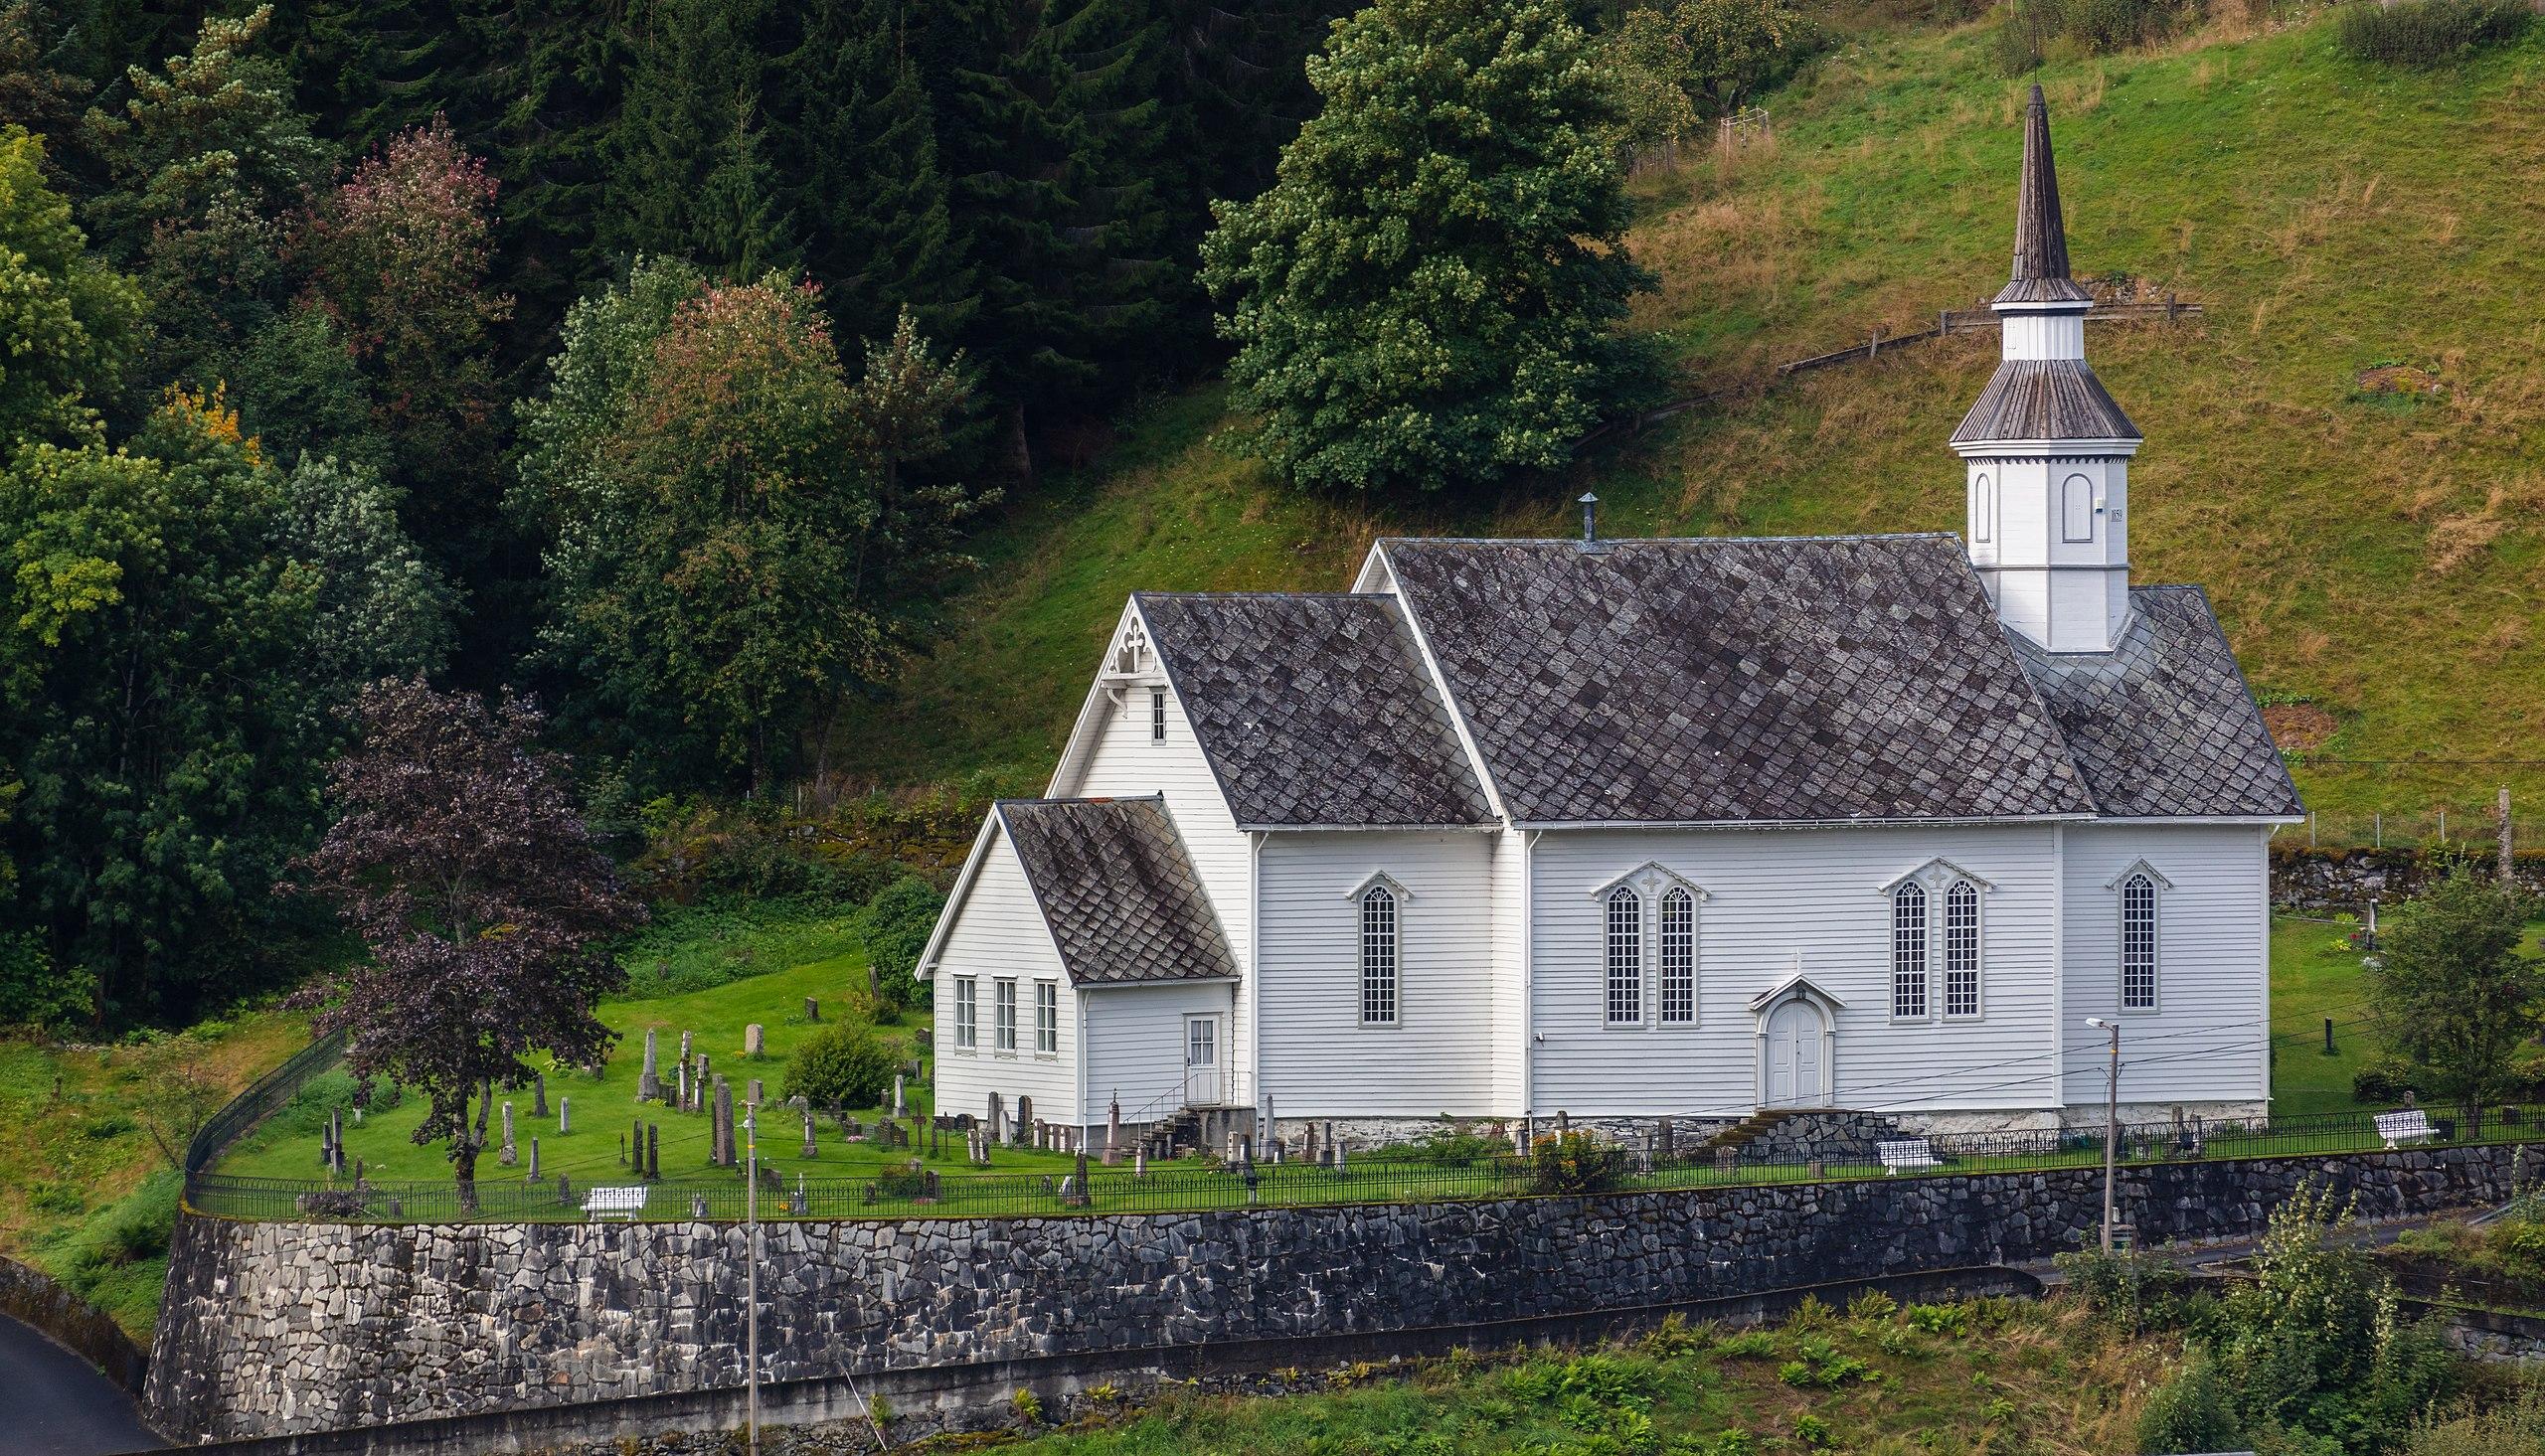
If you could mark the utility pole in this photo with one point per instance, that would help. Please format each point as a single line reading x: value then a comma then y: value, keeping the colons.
x: 751, y: 1274
x: 2112, y: 1118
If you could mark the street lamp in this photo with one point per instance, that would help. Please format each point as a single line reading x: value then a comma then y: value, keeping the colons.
x: 2111, y: 1118
x: 751, y: 1274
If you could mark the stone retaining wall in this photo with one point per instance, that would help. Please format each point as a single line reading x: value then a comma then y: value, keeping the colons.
x: 37, y: 1298
x: 275, y: 1328
x: 2318, y: 881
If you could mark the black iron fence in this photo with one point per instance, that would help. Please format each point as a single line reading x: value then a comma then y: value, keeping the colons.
x: 949, y: 1188
x: 262, y: 1096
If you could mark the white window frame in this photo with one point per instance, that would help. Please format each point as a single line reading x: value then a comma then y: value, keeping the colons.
x: 1676, y: 1003
x: 967, y: 1013
x: 1937, y: 880
x: 1003, y: 1015
x: 1379, y: 958
x: 2138, y: 872
x: 1653, y: 883
x: 2079, y: 486
x: 1157, y: 715
x: 1047, y: 1018
x: 1983, y: 506
x: 1959, y: 889
x: 1911, y: 952
x: 1621, y: 952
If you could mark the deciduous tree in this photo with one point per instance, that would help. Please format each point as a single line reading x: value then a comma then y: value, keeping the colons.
x: 1429, y: 295
x: 485, y: 908
x: 2454, y: 992
x: 71, y: 323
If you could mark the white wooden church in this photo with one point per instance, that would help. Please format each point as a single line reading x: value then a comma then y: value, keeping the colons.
x: 1672, y: 828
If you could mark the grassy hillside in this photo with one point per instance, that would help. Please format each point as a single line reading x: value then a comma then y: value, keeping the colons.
x: 2373, y: 554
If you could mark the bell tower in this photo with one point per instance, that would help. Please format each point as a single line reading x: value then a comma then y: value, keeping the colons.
x: 2045, y: 449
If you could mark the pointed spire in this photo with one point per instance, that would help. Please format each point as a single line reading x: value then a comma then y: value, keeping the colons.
x: 2041, y: 236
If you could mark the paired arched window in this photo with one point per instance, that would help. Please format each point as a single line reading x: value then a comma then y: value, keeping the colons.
x: 1678, y: 957
x: 2139, y: 942
x: 1378, y: 956
x: 1625, y: 941
x: 1909, y: 951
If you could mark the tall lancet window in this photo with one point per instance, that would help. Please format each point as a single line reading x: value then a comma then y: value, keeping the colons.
x: 1625, y: 957
x: 2077, y: 509
x: 1983, y: 506
x: 1909, y: 952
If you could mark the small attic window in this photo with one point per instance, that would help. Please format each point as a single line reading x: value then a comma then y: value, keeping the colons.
x: 1157, y: 715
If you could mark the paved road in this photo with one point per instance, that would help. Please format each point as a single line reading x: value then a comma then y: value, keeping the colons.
x: 57, y: 1405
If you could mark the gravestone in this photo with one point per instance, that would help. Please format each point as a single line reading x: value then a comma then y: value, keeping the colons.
x: 565, y: 1116
x: 509, y: 1155
x: 533, y: 1173
x: 998, y: 1113
x: 753, y: 1043
x: 649, y: 1082
x: 653, y: 1151
x: 705, y: 1079
x: 809, y: 1149
x: 539, y: 1095
x: 1113, y: 1133
x: 684, y: 1045
x: 698, y: 1207
x: 564, y: 1192
x: 723, y: 1153
x: 901, y: 1107
x: 1024, y: 1121
x: 812, y: 1009
x: 681, y: 1089
x: 758, y: 1096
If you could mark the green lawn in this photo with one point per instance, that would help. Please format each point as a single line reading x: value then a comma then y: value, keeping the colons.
x: 2315, y: 977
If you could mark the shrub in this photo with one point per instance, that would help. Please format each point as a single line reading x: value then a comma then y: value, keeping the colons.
x: 841, y: 1065
x: 2190, y: 1412
x: 1748, y: 1345
x: 2427, y: 34
x: 2033, y: 29
x: 2136, y: 1291
x: 1815, y: 1433
x: 1936, y: 1319
x: 1452, y: 1146
x: 2385, y: 1079
x: 895, y: 927
x: 1577, y: 1163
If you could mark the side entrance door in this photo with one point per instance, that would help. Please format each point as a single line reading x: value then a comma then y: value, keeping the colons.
x: 1793, y: 1057
x: 1202, y: 1080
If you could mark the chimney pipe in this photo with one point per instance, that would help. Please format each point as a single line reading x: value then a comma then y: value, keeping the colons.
x: 1590, y: 520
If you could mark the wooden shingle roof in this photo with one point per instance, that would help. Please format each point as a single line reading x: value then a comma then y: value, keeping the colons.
x: 1118, y: 892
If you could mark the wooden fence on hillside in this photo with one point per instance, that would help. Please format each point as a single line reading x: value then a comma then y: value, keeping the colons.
x: 2168, y: 310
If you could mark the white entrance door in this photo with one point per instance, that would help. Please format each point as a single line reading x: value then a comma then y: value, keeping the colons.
x: 1793, y: 1057
x: 1202, y: 1061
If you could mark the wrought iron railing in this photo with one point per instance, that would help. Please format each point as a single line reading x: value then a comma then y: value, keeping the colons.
x: 261, y: 1097
x: 927, y: 1187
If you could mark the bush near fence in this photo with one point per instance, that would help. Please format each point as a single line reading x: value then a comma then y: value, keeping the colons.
x: 2428, y: 35
x: 1385, y: 1176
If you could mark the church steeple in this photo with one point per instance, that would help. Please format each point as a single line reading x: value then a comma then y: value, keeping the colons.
x: 2047, y: 449
x: 2040, y: 234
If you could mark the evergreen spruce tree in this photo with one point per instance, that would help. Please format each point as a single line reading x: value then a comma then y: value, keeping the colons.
x: 1431, y: 294
x: 682, y: 165
x: 861, y: 134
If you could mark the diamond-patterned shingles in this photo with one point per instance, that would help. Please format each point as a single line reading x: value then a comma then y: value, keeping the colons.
x: 1118, y: 889
x: 2164, y: 724
x: 1774, y: 680
x: 1314, y: 710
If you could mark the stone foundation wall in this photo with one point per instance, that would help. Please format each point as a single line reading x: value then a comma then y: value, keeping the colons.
x: 275, y: 1328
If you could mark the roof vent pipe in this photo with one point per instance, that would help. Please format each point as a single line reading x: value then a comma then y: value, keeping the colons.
x: 1591, y: 541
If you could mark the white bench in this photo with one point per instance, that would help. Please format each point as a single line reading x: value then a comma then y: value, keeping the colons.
x: 2405, y: 1127
x: 1911, y: 1153
x: 613, y: 1203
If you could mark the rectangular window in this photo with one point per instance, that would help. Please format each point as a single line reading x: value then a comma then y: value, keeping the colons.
x: 2138, y: 943
x: 967, y: 1012
x: 1005, y: 1014
x: 1678, y: 958
x: 1157, y: 715
x: 1625, y: 958
x: 1961, y: 950
x: 1047, y: 1017
x: 1909, y: 952
x: 1378, y: 957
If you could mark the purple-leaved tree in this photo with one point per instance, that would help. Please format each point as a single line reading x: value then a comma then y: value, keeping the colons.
x: 485, y: 907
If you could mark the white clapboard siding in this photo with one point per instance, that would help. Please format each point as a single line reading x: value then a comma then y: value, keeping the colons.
x: 2213, y: 991
x: 1318, y: 1060
x: 1136, y: 1046
x: 1775, y: 895
x: 1124, y: 761
x: 999, y: 934
x: 1510, y: 964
